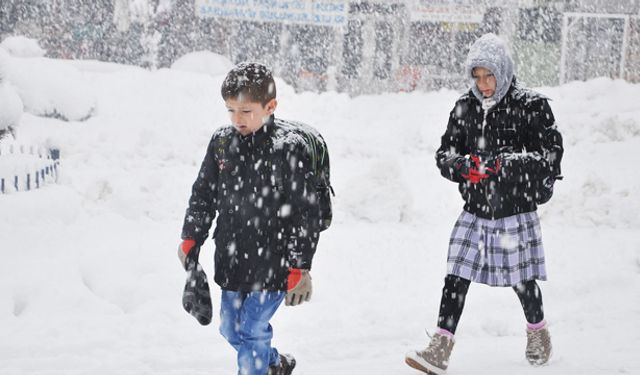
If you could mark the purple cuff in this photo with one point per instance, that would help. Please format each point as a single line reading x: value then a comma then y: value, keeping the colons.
x: 536, y: 326
x: 444, y: 332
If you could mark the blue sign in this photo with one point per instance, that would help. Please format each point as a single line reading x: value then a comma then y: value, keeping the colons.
x: 308, y: 12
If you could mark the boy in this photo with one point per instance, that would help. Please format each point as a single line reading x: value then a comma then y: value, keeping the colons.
x: 257, y: 175
x: 503, y: 149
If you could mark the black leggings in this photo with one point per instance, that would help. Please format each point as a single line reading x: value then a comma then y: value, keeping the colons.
x: 455, y: 290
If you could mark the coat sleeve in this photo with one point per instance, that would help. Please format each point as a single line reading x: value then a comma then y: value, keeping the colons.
x: 544, y: 148
x: 203, y: 201
x: 452, y: 147
x: 304, y: 229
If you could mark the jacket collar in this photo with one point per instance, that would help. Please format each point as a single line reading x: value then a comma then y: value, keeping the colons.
x: 260, y: 135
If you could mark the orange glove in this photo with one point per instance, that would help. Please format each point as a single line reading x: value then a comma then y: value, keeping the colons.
x: 295, y: 275
x: 183, y: 251
x: 299, y: 287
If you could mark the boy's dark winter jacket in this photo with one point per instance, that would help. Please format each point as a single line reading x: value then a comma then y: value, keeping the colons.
x: 521, y: 130
x: 261, y: 186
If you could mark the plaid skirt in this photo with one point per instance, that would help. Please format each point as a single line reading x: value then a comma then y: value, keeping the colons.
x: 500, y: 252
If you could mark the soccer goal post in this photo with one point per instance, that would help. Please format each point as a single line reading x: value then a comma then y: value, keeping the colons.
x: 594, y: 45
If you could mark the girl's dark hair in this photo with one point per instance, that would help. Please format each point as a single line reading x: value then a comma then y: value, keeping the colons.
x: 250, y: 81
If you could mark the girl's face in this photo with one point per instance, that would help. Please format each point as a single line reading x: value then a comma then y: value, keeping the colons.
x: 485, y: 81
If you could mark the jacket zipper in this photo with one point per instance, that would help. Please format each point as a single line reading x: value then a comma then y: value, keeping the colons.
x: 484, y: 124
x: 486, y: 186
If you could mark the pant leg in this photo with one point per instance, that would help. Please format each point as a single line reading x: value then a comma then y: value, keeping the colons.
x: 230, y: 307
x: 531, y: 300
x: 454, y: 294
x: 255, y: 353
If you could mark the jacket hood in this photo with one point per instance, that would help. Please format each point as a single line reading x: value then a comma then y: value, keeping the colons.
x: 490, y: 52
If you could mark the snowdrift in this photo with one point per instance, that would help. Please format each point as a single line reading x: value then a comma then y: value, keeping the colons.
x: 48, y: 87
x: 203, y: 62
x: 20, y: 46
x: 11, y: 107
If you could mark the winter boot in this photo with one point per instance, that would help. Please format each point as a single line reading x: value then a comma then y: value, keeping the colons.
x: 434, y: 360
x: 538, y: 346
x: 287, y: 363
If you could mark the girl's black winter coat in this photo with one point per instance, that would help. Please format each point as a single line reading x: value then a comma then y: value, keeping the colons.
x: 521, y: 130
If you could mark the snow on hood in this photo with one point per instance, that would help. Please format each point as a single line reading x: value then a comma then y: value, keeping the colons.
x: 490, y: 52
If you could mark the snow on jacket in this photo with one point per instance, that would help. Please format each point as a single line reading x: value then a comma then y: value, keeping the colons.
x: 521, y: 129
x: 260, y: 186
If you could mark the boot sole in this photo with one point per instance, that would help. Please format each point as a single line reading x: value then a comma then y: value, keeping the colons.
x: 292, y: 365
x: 289, y: 372
x: 414, y: 364
x: 286, y: 371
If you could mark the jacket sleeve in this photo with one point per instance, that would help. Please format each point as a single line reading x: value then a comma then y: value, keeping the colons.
x: 544, y: 148
x: 203, y: 202
x: 452, y: 147
x: 304, y: 230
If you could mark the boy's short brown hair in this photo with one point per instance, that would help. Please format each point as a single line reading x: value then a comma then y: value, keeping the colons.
x: 249, y: 81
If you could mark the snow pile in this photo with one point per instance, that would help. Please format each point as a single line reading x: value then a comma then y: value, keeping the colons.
x: 10, y: 103
x: 50, y: 88
x: 598, y: 189
x: 20, y: 46
x: 10, y: 107
x: 90, y: 282
x: 204, y: 62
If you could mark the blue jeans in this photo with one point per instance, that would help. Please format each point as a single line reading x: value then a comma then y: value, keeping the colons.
x: 244, y: 322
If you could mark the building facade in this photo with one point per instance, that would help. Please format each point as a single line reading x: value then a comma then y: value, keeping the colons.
x: 352, y: 46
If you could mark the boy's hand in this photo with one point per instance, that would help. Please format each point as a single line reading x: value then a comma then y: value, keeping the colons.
x: 299, y: 287
x: 184, y: 249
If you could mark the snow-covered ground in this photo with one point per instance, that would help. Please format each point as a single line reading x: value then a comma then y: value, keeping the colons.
x: 90, y: 282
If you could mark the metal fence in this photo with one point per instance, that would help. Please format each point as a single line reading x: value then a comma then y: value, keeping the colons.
x: 27, y: 168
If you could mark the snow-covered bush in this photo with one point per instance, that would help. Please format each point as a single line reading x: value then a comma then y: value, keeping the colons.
x: 10, y: 108
x: 50, y: 88
x: 203, y: 62
x: 10, y: 103
x: 20, y: 46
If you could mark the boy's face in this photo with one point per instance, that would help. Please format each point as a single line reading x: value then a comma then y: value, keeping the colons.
x: 247, y: 116
x: 485, y: 80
